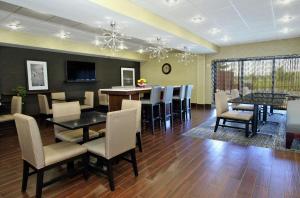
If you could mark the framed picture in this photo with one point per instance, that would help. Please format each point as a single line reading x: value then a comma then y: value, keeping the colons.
x: 37, y: 76
x: 128, y: 77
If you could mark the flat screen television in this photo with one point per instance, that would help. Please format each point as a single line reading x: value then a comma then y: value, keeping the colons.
x: 77, y: 71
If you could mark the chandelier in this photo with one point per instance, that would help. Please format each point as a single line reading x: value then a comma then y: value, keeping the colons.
x: 113, y: 39
x: 186, y: 56
x: 159, y: 49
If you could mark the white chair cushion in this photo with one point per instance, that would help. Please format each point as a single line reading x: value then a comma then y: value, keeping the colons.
x: 5, y: 118
x: 85, y: 107
x: 96, y: 147
x: 176, y: 97
x: 246, y: 107
x: 293, y: 128
x: 146, y: 101
x: 237, y: 115
x: 74, y: 135
x: 62, y: 151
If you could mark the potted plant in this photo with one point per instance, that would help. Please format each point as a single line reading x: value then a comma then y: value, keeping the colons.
x: 21, y: 91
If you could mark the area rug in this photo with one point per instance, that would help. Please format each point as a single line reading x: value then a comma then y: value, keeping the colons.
x: 271, y: 134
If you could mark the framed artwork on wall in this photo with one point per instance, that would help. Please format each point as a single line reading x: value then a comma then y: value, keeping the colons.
x: 127, y: 77
x: 37, y: 76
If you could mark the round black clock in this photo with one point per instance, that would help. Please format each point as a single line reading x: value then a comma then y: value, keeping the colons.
x: 166, y: 68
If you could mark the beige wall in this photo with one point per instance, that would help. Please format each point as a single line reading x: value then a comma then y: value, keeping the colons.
x: 181, y: 74
x: 198, y: 72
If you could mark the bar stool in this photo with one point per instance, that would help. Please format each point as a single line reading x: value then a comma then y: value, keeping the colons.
x: 167, y: 105
x: 179, y: 100
x: 187, y: 98
x: 150, y: 104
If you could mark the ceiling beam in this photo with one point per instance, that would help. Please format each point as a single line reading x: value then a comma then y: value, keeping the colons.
x: 129, y: 9
x: 14, y: 38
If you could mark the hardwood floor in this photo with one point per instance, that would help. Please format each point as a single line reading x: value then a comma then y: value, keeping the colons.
x: 171, y: 165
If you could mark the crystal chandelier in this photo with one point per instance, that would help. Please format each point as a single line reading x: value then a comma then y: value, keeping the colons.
x: 159, y: 50
x: 114, y: 40
x: 186, y: 56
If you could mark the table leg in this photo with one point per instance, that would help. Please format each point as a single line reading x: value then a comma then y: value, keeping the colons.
x: 85, y: 134
x: 265, y: 113
x: 255, y: 119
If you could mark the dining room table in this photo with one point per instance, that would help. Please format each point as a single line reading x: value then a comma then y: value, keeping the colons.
x: 85, y: 120
x: 260, y: 100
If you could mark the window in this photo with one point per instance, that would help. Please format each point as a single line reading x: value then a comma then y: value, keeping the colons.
x: 268, y: 74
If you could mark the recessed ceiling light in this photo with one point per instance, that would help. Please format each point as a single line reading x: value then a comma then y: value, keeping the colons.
x: 63, y: 35
x: 14, y: 25
x: 141, y: 51
x: 171, y: 2
x: 286, y: 30
x: 214, y: 31
x: 122, y: 46
x: 225, y: 38
x: 284, y: 2
x: 197, y: 19
x: 97, y: 42
x: 286, y: 19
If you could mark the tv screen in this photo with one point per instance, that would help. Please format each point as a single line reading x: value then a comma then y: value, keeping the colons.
x: 80, y: 71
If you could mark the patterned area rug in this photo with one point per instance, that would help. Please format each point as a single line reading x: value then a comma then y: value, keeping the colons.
x: 271, y: 134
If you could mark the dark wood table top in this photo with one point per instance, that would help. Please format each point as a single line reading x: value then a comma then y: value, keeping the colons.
x: 85, y: 119
x: 270, y: 99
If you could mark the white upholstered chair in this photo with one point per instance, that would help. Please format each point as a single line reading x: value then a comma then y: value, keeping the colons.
x: 103, y: 98
x: 224, y: 113
x: 69, y: 110
x: 292, y: 122
x: 133, y: 104
x: 88, y: 101
x: 41, y: 158
x: 44, y: 105
x: 119, y: 140
x: 246, y: 91
x: 242, y: 107
x: 187, y: 98
x: 16, y: 107
x: 58, y: 97
x: 180, y: 99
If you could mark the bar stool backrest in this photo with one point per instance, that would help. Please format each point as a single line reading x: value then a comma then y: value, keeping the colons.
x: 155, y: 95
x: 168, y: 94
x: 182, y: 92
x: 188, y: 92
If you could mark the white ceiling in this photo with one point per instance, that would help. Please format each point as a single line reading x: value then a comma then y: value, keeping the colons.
x: 242, y: 21
x: 47, y: 18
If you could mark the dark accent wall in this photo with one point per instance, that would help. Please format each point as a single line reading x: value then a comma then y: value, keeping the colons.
x: 13, y: 72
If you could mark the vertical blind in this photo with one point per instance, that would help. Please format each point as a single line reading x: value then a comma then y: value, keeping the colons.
x: 268, y: 75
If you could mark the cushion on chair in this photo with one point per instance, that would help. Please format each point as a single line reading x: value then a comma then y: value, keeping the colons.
x: 6, y: 118
x: 96, y: 146
x: 237, y: 115
x: 62, y: 151
x: 246, y: 107
x: 74, y: 135
x: 293, y: 128
x: 85, y: 107
x: 146, y: 101
x: 176, y: 98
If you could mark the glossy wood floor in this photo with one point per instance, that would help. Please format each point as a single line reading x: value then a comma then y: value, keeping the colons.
x: 171, y: 165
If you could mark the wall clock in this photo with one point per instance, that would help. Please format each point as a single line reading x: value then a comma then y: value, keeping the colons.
x: 166, y: 68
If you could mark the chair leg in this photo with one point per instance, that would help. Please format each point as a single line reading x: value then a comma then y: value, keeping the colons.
x: 86, y: 160
x: 134, y: 164
x: 217, y: 124
x: 190, y: 108
x: 171, y: 112
x: 247, y: 130
x: 110, y: 175
x: 159, y: 115
x: 224, y: 121
x: 139, y: 141
x: 289, y: 137
x: 152, y: 119
x: 165, y: 116
x: 25, y: 175
x: 39, y: 183
x: 180, y: 110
